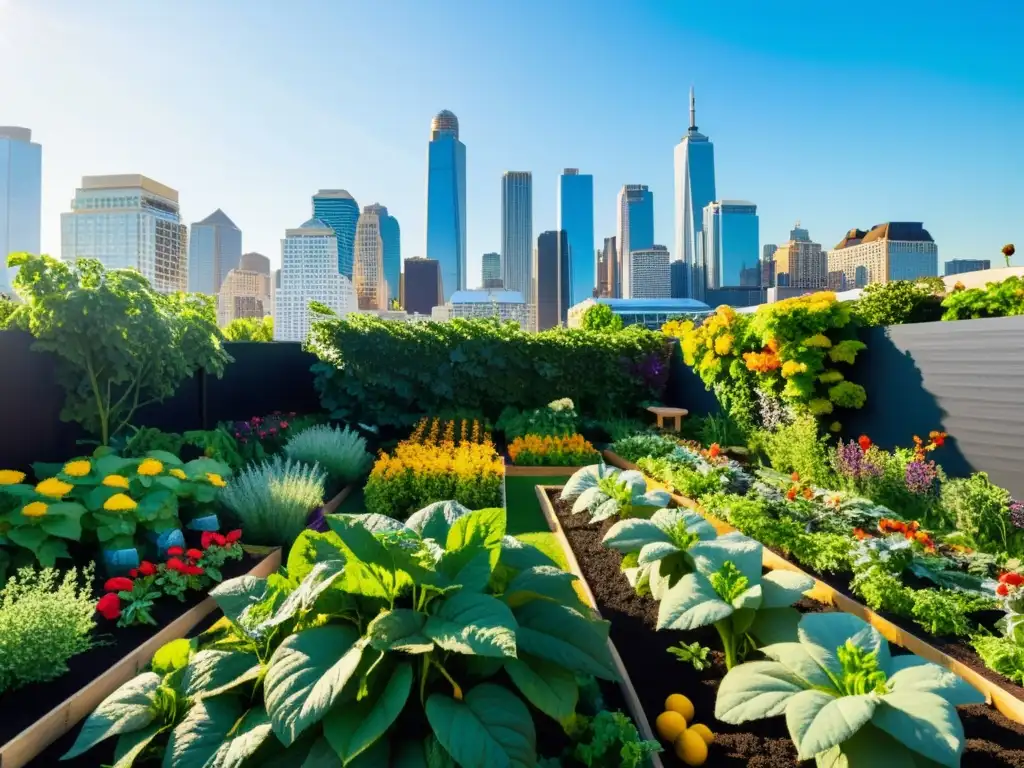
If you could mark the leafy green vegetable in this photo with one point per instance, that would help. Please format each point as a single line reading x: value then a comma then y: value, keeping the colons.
x: 694, y: 654
x: 609, y: 740
x: 606, y: 492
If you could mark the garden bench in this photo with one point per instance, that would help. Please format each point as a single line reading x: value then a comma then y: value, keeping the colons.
x: 675, y: 414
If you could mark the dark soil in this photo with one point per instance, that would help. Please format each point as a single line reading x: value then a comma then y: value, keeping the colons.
x: 992, y: 739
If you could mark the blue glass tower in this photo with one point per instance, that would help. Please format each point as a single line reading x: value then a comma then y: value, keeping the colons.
x: 337, y: 209
x: 446, y: 202
x: 731, y: 242
x: 391, y: 234
x: 636, y: 230
x: 695, y: 188
x: 576, y: 219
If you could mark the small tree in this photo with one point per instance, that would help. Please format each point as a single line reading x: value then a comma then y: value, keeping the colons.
x: 250, y: 329
x: 600, y: 317
x: 119, y: 344
x: 1008, y: 251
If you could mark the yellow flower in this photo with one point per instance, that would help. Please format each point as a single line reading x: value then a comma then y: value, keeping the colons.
x: 119, y: 503
x: 215, y: 479
x: 11, y: 477
x: 79, y: 468
x: 35, y: 509
x: 115, y: 481
x: 792, y: 368
x: 178, y: 473
x: 150, y: 467
x: 818, y: 340
x: 53, y: 488
x: 723, y: 344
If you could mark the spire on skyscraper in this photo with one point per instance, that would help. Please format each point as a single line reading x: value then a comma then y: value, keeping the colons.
x: 693, y: 111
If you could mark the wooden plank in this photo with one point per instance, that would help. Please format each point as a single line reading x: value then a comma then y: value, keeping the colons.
x: 997, y: 696
x: 511, y: 470
x: 636, y: 710
x: 30, y: 742
x: 334, y: 503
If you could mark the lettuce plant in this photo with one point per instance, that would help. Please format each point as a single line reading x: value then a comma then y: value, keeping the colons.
x: 606, y: 492
x: 847, y: 701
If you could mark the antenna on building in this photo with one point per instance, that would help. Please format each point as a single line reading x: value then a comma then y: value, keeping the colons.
x: 693, y: 111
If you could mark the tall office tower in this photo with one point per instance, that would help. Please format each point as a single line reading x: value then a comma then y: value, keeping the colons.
x: 650, y: 273
x: 214, y: 249
x: 254, y: 262
x: 244, y: 293
x: 309, y: 272
x: 636, y: 230
x: 576, y: 219
x: 491, y: 271
x: 800, y: 263
x: 730, y: 237
x: 21, y: 192
x: 338, y: 209
x: 680, y: 278
x: 128, y: 221
x: 446, y: 202
x: 552, y: 294
x: 517, y: 230
x: 959, y: 266
x: 608, y: 269
x: 768, y: 265
x: 368, y: 268
x: 695, y: 188
x: 392, y: 236
x: 422, y: 285
x: 896, y: 250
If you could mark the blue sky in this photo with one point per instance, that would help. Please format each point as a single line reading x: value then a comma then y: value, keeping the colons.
x: 836, y: 114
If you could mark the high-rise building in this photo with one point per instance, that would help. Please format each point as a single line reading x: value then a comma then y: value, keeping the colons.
x: 680, y: 278
x: 214, y: 249
x: 422, y: 280
x: 800, y: 263
x: 244, y: 293
x: 608, y: 269
x: 368, y: 268
x: 446, y: 202
x: 768, y: 265
x: 491, y: 271
x: 254, y: 262
x: 309, y: 272
x: 576, y: 219
x: 392, y: 236
x: 128, y: 221
x: 338, y: 209
x: 636, y: 230
x: 896, y: 250
x: 21, y: 191
x: 730, y: 244
x: 959, y: 266
x: 694, y: 188
x: 552, y: 289
x: 516, y: 231
x: 650, y: 276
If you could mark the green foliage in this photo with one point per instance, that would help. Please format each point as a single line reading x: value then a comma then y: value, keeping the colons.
x: 272, y: 500
x: 146, y: 439
x: 798, y: 447
x: 557, y: 419
x: 607, y: 492
x: 45, y: 619
x: 340, y: 452
x: 635, y: 447
x: 693, y: 654
x: 980, y: 510
x: 1002, y: 299
x: 722, y: 429
x: 1001, y: 654
x: 119, y: 344
x: 609, y: 740
x: 391, y: 373
x: 900, y: 301
x: 217, y: 444
x: 7, y: 307
x: 600, y: 317
x: 250, y: 329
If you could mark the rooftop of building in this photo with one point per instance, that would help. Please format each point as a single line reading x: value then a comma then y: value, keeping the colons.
x: 445, y: 123
x: 903, y: 231
x: 484, y: 296
x: 15, y: 132
x: 652, y: 305
x: 313, y: 225
x: 217, y: 219
x: 130, y: 181
x: 335, y: 194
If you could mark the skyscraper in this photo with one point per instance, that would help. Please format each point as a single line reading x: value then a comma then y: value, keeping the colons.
x: 254, y: 262
x: 730, y: 234
x: 959, y: 266
x: 368, y: 268
x: 576, y: 219
x: 636, y: 230
x: 552, y: 290
x: 128, y: 221
x: 491, y: 271
x: 446, y: 201
x: 21, y: 190
x: 517, y: 231
x: 896, y: 250
x: 650, y: 273
x: 214, y: 249
x: 608, y: 269
x: 392, y: 236
x: 337, y: 209
x: 695, y: 188
x: 422, y: 285
x: 800, y: 263
x: 243, y: 293
x: 768, y: 265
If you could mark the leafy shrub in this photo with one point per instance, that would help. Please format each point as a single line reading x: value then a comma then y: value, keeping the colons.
x: 534, y: 451
x: 721, y: 429
x: 636, y: 447
x: 609, y: 739
x: 557, y: 419
x: 600, y: 317
x: 900, y: 301
x: 340, y: 452
x: 1001, y: 654
x: 798, y: 447
x: 272, y: 500
x: 250, y: 329
x: 45, y: 619
x: 1002, y: 299
x: 605, y: 492
x: 977, y: 508
x: 389, y: 373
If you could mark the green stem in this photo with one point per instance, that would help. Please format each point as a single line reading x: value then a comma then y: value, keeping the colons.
x: 423, y: 678
x: 728, y: 642
x: 104, y: 426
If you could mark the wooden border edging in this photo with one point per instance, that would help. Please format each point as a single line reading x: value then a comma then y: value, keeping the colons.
x: 333, y: 504
x: 997, y: 696
x: 513, y: 470
x: 625, y: 684
x: 26, y: 745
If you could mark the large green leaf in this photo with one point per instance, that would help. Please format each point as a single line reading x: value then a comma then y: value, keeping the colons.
x: 590, y: 497
x: 357, y: 542
x: 783, y: 588
x: 475, y: 624
x: 306, y: 676
x: 871, y: 747
x: 755, y: 690
x: 690, y: 604
x: 519, y: 556
x: 561, y: 635
x: 544, y: 582
x: 131, y: 707
x: 316, y: 582
x: 746, y: 554
x: 478, y: 531
x: 196, y: 739
x: 924, y: 722
x: 818, y: 721
x: 775, y: 625
x: 172, y: 656
x: 212, y: 672
x: 472, y: 575
x: 131, y: 745
x: 234, y: 596
x: 435, y: 520
x: 822, y: 634
x: 310, y: 548
x: 400, y: 630
x: 583, y: 479
x: 492, y: 728
x: 655, y: 551
x: 245, y: 738
x: 320, y: 755
x: 910, y: 674
x: 354, y: 727
x: 632, y: 534
x: 64, y: 519
x: 795, y: 658
x: 550, y: 688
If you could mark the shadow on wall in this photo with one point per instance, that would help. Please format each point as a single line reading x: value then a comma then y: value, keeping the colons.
x: 686, y: 390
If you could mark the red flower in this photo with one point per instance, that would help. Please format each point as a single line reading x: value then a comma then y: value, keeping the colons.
x: 284, y: 425
x: 1002, y: 590
x: 262, y: 435
x: 795, y: 477
x: 233, y: 536
x: 175, y: 551
x: 937, y: 438
x: 211, y: 537
x: 194, y: 554
x: 1011, y: 578
x: 146, y: 568
x: 864, y: 442
x: 273, y: 430
x: 174, y: 564
x: 714, y: 450
x: 192, y: 570
x: 134, y: 573
x: 791, y: 493
x: 109, y: 606
x: 118, y: 584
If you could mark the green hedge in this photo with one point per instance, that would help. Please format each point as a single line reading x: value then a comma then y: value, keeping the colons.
x: 391, y: 373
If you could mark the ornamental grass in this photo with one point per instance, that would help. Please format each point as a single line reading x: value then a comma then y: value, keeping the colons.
x: 548, y: 451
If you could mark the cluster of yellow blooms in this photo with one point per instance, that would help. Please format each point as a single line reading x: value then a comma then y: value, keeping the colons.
x: 465, y: 460
x: 436, y: 431
x: 537, y: 450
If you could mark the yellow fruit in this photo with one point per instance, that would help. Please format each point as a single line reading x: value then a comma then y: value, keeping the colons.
x: 690, y: 748
x: 679, y: 703
x: 704, y: 731
x: 669, y: 725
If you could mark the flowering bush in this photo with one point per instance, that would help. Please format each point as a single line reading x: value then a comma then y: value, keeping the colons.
x: 547, y: 451
x: 456, y: 431
x: 557, y: 419
x: 1002, y: 299
x: 38, y: 517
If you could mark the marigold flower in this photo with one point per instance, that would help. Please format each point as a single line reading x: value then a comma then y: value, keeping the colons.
x: 886, y: 525
x: 714, y: 450
x: 115, y: 481
x: 178, y: 473
x: 215, y: 479
x: 808, y: 493
x: 938, y: 438
x: 795, y: 477
x: 146, y: 568
x: 193, y: 554
x: 864, y: 442
x: 109, y: 606
x: 54, y: 488
x: 119, y: 502
x: 35, y: 509
x: 11, y: 477
x: 150, y: 467
x: 791, y: 493
x: 175, y: 551
x: 860, y: 534
x: 79, y: 468
x: 118, y: 584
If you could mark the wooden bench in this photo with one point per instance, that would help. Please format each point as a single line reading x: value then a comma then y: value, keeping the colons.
x: 675, y: 414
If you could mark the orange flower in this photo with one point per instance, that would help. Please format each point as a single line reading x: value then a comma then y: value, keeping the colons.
x: 860, y: 535
x: 808, y: 493
x: 791, y: 493
x: 795, y: 477
x: 892, y: 526
x: 714, y: 450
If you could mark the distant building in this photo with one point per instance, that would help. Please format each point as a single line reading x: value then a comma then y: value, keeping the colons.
x: 694, y: 189
x: 128, y: 221
x: 391, y: 234
x: 729, y: 243
x: 504, y: 305
x: 338, y: 209
x: 635, y: 230
x: 491, y: 272
x: 551, y: 291
x: 576, y: 219
x: 959, y: 266
x: 515, y: 260
x: 800, y: 263
x: 896, y: 250
x: 254, y: 262
x: 21, y: 192
x: 650, y: 276
x: 422, y: 281
x: 836, y: 281
x: 680, y: 275
x: 368, y: 267
x: 650, y: 313
x: 244, y: 293
x: 214, y: 249
x: 446, y: 201
x: 768, y: 265
x: 735, y: 297
x: 608, y: 268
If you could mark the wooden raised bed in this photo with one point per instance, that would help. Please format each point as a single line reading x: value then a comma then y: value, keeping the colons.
x: 512, y: 470
x: 334, y: 503
x: 32, y: 740
x: 1004, y: 701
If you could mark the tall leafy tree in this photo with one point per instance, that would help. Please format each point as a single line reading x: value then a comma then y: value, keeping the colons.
x: 250, y: 329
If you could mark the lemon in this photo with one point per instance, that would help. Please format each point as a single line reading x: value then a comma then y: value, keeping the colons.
x: 669, y: 725
x: 679, y: 703
x: 690, y: 748
x: 704, y: 731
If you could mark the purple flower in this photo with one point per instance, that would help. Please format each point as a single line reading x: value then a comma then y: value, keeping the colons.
x: 1017, y: 513
x: 920, y: 476
x: 854, y: 462
x: 652, y: 371
x: 316, y: 521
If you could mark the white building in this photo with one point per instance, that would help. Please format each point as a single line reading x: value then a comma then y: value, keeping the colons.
x: 694, y: 189
x: 896, y: 250
x: 650, y: 276
x: 516, y: 231
x: 21, y: 172
x: 368, y: 265
x: 243, y: 293
x: 505, y: 305
x: 650, y: 313
x: 309, y: 272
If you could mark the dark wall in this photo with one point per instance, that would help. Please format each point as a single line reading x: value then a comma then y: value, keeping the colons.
x: 686, y: 390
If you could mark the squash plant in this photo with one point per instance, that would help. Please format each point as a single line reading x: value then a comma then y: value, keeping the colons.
x: 606, y: 492
x: 847, y: 702
x: 442, y: 619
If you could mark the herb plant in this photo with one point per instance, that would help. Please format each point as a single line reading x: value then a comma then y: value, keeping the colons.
x: 557, y: 419
x: 272, y: 500
x: 644, y: 444
x: 341, y: 452
x: 605, y: 492
x: 609, y: 740
x: 977, y: 508
x: 694, y: 654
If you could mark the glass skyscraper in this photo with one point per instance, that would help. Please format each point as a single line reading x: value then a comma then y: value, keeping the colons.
x: 695, y: 188
x: 391, y: 233
x: 551, y: 289
x: 446, y: 202
x: 337, y: 209
x: 517, y: 231
x: 636, y: 231
x: 576, y: 219
x: 214, y: 249
x: 731, y: 243
x: 21, y: 171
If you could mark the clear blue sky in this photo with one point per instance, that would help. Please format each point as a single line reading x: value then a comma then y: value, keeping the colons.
x: 836, y: 114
